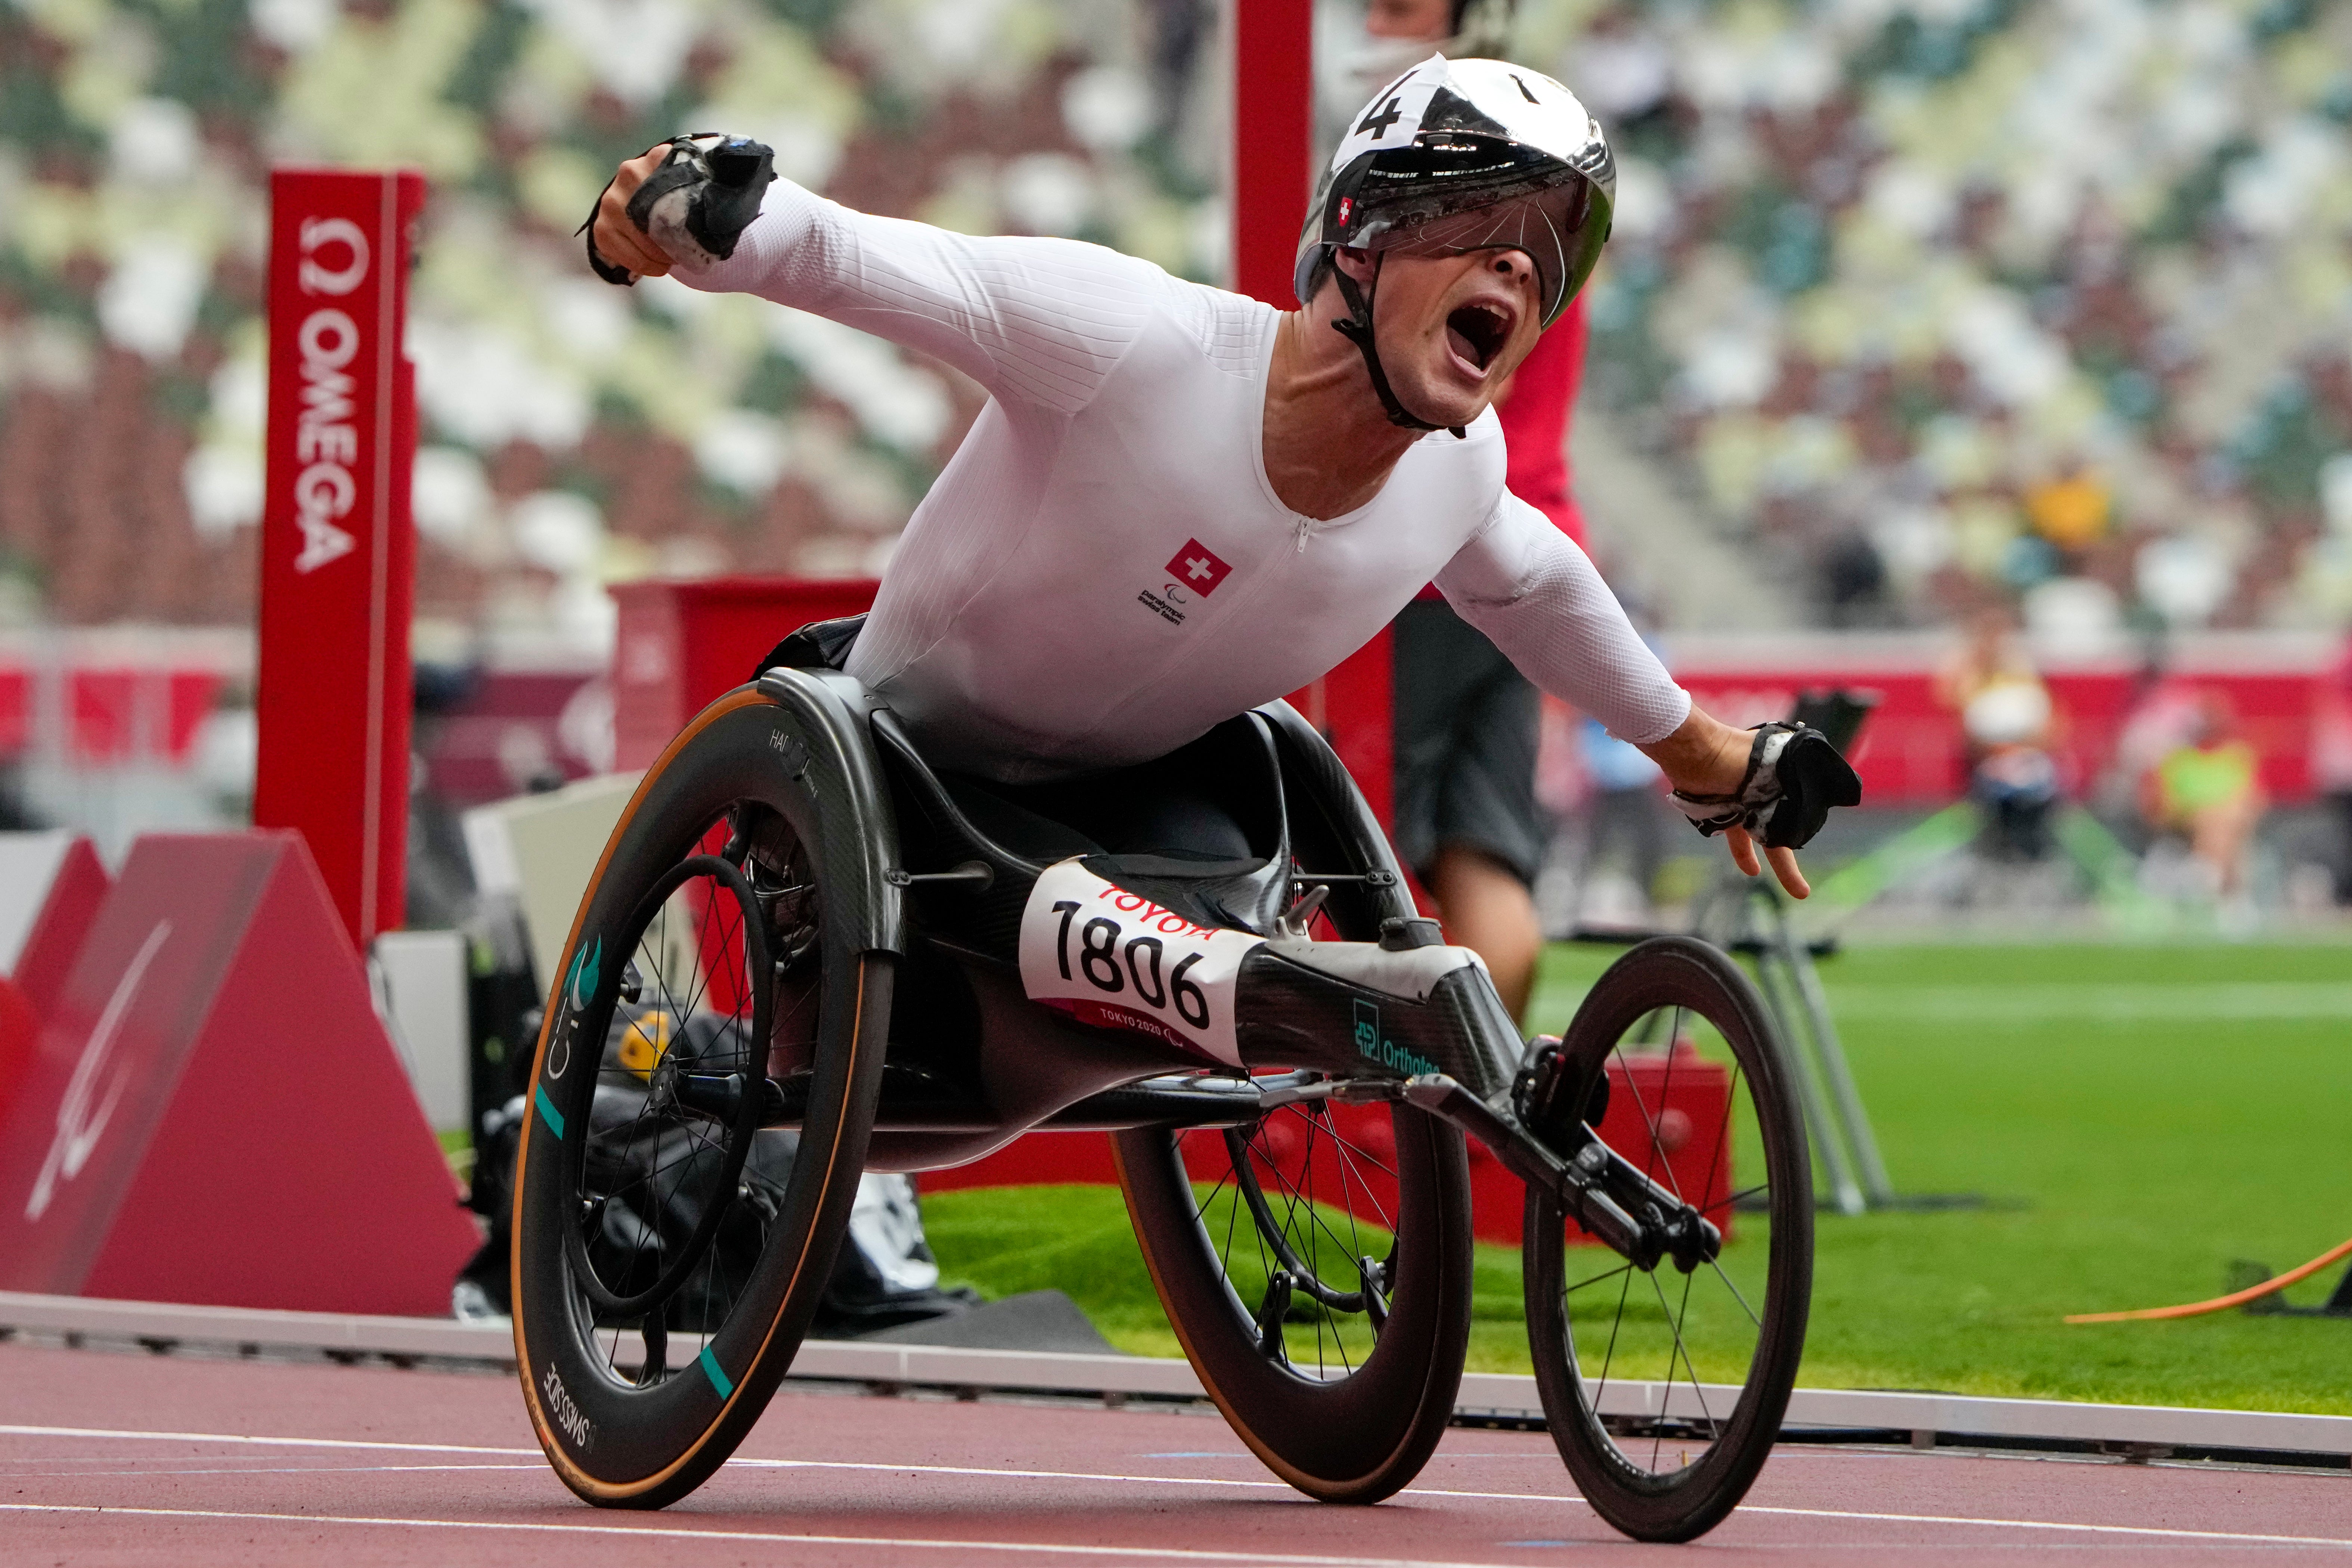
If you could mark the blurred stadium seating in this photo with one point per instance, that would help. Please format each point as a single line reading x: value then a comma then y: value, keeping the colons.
x: 1933, y: 301
x: 1916, y: 301
x: 576, y: 434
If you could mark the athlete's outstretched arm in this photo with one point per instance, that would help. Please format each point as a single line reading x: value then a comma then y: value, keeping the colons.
x: 1038, y: 321
x: 1537, y: 596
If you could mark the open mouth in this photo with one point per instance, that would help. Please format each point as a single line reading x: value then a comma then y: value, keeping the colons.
x: 1477, y: 333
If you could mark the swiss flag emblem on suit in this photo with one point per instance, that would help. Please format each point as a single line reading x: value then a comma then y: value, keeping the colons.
x: 1196, y: 567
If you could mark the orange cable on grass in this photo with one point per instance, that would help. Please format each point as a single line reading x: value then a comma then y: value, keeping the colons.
x: 2223, y: 1303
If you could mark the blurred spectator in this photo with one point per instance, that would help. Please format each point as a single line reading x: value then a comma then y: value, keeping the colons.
x: 1879, y: 270
x: 2071, y: 511
x: 1881, y: 267
x: 1622, y: 811
x: 557, y: 454
x: 2205, y: 789
x: 2005, y: 715
x: 16, y: 816
x: 2331, y: 761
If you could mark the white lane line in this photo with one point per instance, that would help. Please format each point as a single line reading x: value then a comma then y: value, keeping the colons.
x: 255, y: 1470
x: 1120, y: 1479
x: 2233, y: 1000
x: 2156, y: 1530
x: 998, y: 1474
x: 672, y: 1532
x: 2134, y: 1530
x: 8, y: 1431
x: 740, y: 1462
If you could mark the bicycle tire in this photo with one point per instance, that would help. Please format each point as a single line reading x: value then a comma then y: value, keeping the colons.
x: 1655, y: 1501
x: 613, y: 1440
x: 1359, y: 1435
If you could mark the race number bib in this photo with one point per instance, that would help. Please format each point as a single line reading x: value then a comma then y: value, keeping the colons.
x: 1109, y: 957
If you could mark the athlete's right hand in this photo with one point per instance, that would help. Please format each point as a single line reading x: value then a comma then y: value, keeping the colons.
x: 618, y: 240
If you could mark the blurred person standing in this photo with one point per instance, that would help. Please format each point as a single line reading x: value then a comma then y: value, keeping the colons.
x: 2206, y: 790
x: 1625, y: 808
x: 1467, y: 822
x: 2005, y: 716
x: 2331, y: 761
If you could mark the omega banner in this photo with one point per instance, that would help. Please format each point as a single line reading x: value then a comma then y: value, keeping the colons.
x: 338, y: 544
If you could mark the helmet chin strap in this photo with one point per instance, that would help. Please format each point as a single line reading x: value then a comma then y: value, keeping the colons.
x: 1357, y: 329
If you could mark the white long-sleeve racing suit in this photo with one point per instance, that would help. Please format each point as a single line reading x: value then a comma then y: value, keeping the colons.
x: 1104, y: 572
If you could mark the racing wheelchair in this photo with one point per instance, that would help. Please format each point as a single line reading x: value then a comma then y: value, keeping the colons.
x: 807, y: 953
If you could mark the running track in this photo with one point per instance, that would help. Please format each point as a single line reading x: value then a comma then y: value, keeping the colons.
x: 125, y: 1458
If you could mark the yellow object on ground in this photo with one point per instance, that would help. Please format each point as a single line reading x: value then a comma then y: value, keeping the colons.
x: 642, y: 1046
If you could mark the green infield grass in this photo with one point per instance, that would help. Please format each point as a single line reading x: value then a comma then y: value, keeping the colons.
x: 2136, y: 1116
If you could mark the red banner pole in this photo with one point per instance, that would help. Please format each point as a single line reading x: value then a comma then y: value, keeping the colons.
x: 1273, y: 134
x: 338, y: 544
x: 1274, y: 179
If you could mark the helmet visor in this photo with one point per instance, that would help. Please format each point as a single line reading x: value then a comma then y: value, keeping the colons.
x: 1559, y: 227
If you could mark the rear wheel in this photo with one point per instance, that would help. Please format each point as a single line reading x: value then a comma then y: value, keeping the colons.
x: 1665, y: 1390
x: 669, y: 1251
x: 1316, y: 1266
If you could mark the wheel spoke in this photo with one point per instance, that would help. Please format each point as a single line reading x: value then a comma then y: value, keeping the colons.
x: 1595, y: 1280
x: 1742, y: 1196
x: 1675, y: 1323
x: 1717, y: 1265
x: 1609, y: 1357
x: 1295, y: 1200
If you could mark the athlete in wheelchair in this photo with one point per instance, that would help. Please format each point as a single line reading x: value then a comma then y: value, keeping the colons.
x: 1037, y: 845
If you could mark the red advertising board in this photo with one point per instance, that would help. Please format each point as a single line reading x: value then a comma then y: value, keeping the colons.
x: 1912, y: 754
x: 338, y: 545
x: 681, y: 645
x: 214, y: 1113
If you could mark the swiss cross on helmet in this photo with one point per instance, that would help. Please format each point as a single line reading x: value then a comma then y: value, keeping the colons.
x: 1455, y: 156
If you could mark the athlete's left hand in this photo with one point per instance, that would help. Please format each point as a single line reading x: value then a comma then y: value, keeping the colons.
x: 1742, y: 844
x: 1710, y: 761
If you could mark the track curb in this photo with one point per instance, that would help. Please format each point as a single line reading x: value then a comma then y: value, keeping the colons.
x: 1486, y: 1398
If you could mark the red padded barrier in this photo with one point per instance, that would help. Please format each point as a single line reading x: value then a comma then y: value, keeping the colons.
x: 682, y: 644
x: 215, y: 1115
x: 70, y: 903
x: 20, y: 1040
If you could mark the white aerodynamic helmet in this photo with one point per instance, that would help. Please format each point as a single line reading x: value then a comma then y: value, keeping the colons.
x: 1459, y: 155
x: 1462, y: 155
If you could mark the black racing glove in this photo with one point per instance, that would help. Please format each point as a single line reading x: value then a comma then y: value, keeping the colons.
x: 697, y: 204
x: 1794, y: 775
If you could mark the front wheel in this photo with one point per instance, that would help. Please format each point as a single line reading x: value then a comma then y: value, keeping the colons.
x: 1665, y: 1390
